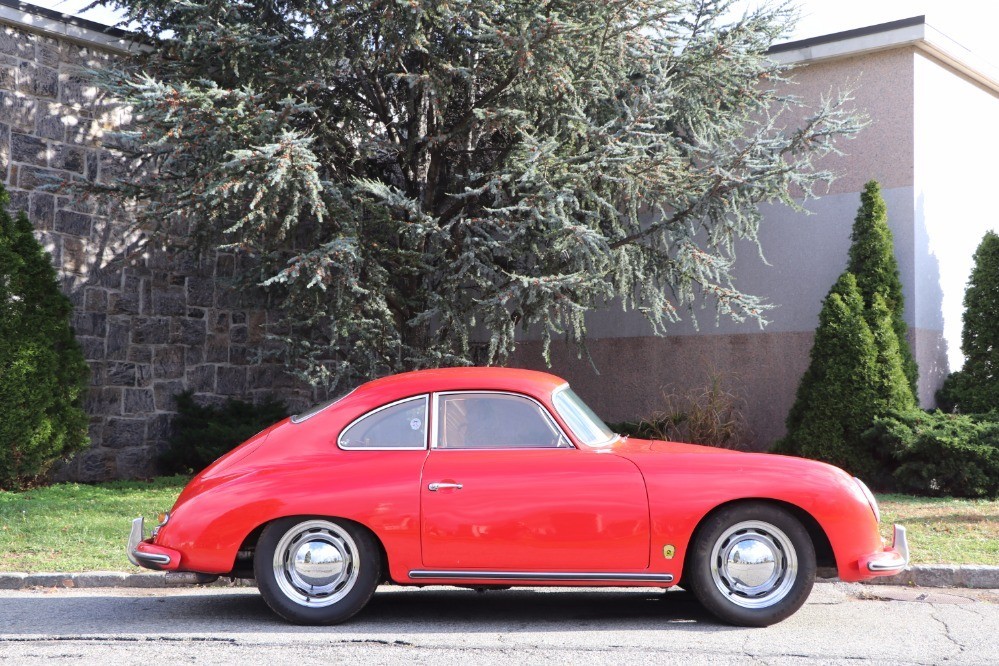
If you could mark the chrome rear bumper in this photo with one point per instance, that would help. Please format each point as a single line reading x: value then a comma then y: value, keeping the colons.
x: 141, y: 558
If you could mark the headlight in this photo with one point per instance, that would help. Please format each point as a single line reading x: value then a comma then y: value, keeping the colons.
x: 870, y: 498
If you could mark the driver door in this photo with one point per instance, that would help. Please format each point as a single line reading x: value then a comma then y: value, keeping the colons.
x: 504, y: 489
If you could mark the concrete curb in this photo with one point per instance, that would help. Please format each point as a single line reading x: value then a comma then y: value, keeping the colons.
x: 923, y: 575
x: 944, y: 575
x: 105, y: 579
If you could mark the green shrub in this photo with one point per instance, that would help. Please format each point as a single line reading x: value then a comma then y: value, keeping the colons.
x: 855, y: 375
x: 201, y: 434
x: 43, y: 375
x: 873, y: 263
x: 940, y: 454
x: 975, y: 388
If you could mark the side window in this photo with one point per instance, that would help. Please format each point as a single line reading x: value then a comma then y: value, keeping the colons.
x: 494, y: 421
x: 399, y: 426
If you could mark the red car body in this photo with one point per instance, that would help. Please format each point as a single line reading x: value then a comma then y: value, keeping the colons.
x: 623, y: 513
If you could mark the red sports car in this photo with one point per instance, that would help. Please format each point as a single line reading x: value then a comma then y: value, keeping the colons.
x: 489, y: 477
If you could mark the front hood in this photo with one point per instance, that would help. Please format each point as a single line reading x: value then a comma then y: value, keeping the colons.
x: 627, y: 445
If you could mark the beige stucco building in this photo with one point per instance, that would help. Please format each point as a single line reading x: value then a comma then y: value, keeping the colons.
x: 932, y: 143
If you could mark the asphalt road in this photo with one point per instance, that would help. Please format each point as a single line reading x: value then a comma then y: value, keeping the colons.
x: 840, y: 623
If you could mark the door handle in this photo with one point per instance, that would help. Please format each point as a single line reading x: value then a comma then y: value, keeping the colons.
x: 443, y: 485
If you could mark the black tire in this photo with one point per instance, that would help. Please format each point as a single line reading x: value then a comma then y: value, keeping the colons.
x: 752, y: 594
x: 305, y: 591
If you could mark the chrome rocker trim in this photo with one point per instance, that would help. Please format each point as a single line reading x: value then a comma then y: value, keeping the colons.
x: 420, y: 574
x: 137, y: 557
x: 900, y: 544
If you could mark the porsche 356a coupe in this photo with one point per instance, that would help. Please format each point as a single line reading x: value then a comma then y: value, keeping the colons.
x: 488, y: 477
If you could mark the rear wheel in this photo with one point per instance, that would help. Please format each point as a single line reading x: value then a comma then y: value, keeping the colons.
x: 316, y: 570
x: 752, y: 564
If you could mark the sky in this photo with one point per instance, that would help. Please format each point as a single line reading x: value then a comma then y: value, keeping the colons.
x: 972, y: 23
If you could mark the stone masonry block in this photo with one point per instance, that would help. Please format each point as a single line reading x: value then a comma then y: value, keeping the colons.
x: 121, y: 374
x: 17, y: 43
x: 168, y: 363
x: 136, y: 462
x: 140, y: 354
x: 201, y: 379
x: 124, y: 433
x: 150, y: 330
x: 188, y: 331
x: 200, y: 291
x: 138, y: 401
x: 89, y: 323
x: 164, y: 392
x: 42, y: 210
x: 119, y: 332
x: 104, y: 401
x: 28, y: 149
x: 96, y: 465
x: 47, y: 51
x: 231, y: 380
x: 69, y: 158
x: 50, y: 121
x: 70, y: 222
x: 17, y: 110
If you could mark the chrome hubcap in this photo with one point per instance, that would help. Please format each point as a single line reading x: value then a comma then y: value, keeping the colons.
x: 316, y: 563
x: 754, y: 564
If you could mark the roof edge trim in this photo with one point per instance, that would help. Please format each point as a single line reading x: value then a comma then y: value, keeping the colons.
x: 49, y: 23
x: 914, y: 32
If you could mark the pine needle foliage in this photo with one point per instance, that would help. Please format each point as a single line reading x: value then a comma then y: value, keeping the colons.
x: 411, y: 174
x: 43, y: 375
x: 975, y: 388
x: 872, y: 261
x: 855, y: 375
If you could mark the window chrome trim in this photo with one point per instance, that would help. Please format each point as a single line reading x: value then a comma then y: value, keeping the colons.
x: 544, y: 410
x: 299, y: 418
x: 582, y: 576
x: 426, y: 409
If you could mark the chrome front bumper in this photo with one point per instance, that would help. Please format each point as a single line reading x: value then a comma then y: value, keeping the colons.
x: 142, y: 558
x: 892, y: 560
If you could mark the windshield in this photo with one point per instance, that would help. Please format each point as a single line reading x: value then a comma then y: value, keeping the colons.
x: 581, y: 420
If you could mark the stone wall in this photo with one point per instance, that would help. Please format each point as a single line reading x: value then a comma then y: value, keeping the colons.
x: 151, y: 322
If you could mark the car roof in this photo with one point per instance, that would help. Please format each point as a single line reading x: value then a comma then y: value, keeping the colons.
x: 516, y: 380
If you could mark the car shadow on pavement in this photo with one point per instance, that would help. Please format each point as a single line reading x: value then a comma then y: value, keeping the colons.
x: 392, y: 610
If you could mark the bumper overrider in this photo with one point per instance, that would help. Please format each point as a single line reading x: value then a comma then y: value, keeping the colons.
x: 143, y: 552
x: 890, y: 561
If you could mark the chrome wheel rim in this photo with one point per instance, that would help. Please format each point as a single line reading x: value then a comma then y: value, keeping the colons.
x: 754, y: 564
x: 316, y: 563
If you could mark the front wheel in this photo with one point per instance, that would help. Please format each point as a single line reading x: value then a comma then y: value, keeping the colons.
x: 315, y: 570
x: 752, y: 564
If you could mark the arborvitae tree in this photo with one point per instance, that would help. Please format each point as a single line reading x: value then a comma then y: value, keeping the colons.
x: 975, y: 388
x: 43, y: 375
x: 854, y: 376
x: 891, y: 382
x: 872, y: 261
x: 407, y: 171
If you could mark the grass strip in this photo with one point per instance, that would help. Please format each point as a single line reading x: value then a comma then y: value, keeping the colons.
x: 75, y: 527
x: 945, y: 530
x: 71, y: 527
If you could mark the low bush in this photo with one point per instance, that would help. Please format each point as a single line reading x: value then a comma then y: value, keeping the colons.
x: 940, y: 454
x: 711, y: 415
x: 201, y: 434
